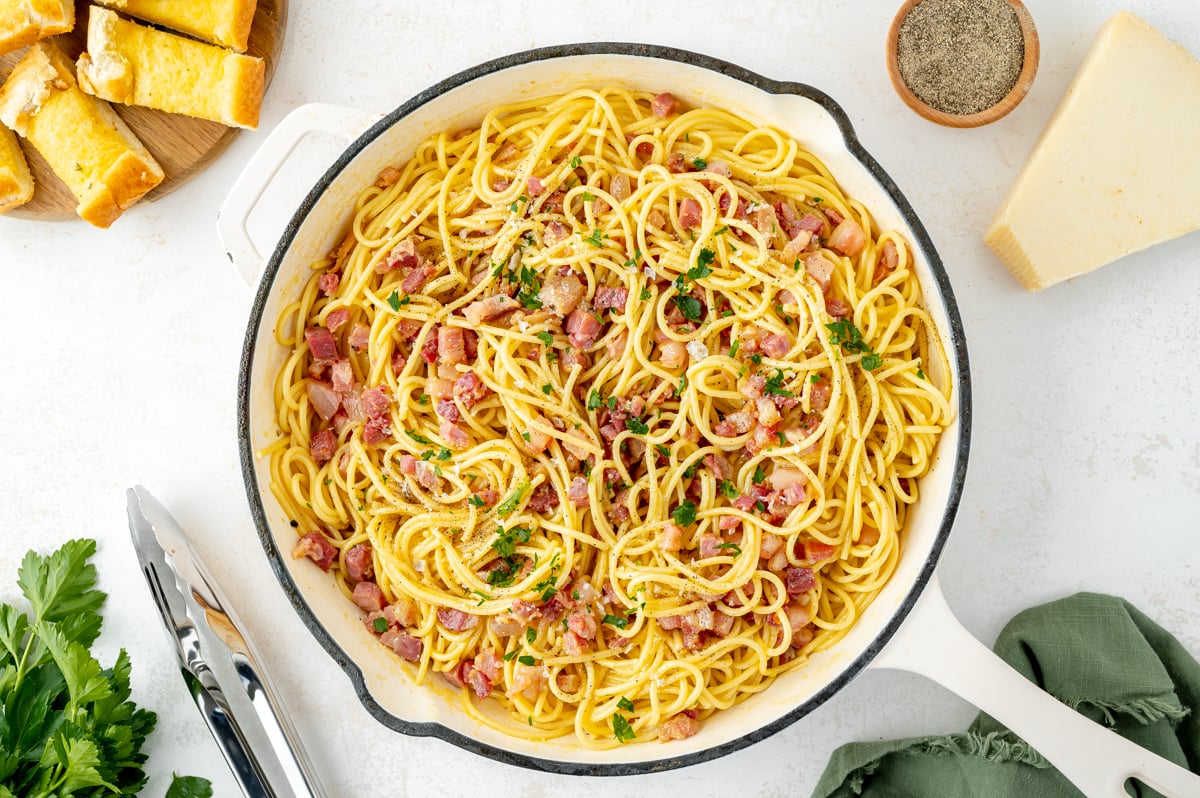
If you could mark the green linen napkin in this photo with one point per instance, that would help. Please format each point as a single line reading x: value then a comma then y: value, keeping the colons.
x: 1095, y: 653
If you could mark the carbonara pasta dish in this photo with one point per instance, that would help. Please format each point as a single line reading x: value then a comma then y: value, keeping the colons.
x: 607, y: 412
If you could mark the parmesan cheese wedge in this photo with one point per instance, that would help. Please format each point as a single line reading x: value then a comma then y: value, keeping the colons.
x: 1117, y: 168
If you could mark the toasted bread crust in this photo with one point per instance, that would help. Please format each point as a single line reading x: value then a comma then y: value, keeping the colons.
x: 223, y: 22
x: 16, y: 181
x: 87, y: 145
x: 24, y: 22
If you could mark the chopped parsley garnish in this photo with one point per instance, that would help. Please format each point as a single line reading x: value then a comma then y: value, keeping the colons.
x: 612, y: 403
x: 662, y: 449
x: 683, y: 384
x: 796, y: 265
x: 527, y: 437
x: 722, y: 229
x: 844, y: 334
x: 547, y: 389
x: 475, y: 501
x: 645, y: 295
x: 546, y: 338
x: 699, y: 163
x: 595, y: 238
x: 774, y: 385
x: 615, y: 620
x: 396, y: 302
x: 814, y: 378
x: 817, y: 200
x: 507, y: 506
x: 530, y: 634
x: 920, y: 373
x: 594, y: 401
x: 733, y: 348
x: 507, y: 539
x: 728, y: 490
x: 625, y: 704
x: 430, y: 454
x: 735, y: 548
x: 482, y: 597
x: 633, y: 262
x: 622, y: 730
x: 510, y: 656
x: 380, y: 625
x: 576, y: 162
x: 759, y: 475
x: 589, y: 197
x: 703, y: 262
x: 690, y: 307
x: 684, y: 514
x: 636, y: 426
x: 419, y: 438
x: 756, y: 359
x: 782, y: 438
x: 690, y: 471
x: 526, y: 660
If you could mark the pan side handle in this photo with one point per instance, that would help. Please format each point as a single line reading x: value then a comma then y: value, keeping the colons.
x: 1098, y: 761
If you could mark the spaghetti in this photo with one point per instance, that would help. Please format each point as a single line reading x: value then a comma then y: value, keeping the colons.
x: 608, y: 410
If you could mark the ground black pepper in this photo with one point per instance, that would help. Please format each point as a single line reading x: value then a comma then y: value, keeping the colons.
x: 960, y: 56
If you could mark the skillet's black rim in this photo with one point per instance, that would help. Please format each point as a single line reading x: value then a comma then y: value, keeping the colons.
x: 278, y: 561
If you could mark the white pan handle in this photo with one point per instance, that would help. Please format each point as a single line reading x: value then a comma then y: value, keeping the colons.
x: 934, y: 644
x: 248, y: 189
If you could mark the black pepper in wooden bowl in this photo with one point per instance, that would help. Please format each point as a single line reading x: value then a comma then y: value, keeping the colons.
x: 962, y: 62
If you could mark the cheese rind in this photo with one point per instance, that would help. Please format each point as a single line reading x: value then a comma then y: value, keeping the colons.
x: 129, y: 63
x: 223, y: 22
x: 16, y: 182
x: 1117, y: 168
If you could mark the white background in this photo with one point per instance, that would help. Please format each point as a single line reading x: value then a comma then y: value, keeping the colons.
x: 120, y: 354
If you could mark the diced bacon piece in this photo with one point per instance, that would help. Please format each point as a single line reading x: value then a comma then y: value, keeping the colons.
x: 535, y: 186
x: 776, y: 345
x: 376, y: 431
x: 405, y: 645
x: 506, y: 152
x: 456, y: 620
x: 447, y: 410
x: 671, y: 537
x: 784, y: 477
x: 847, y: 238
x: 819, y: 394
x: 837, y: 308
x: 798, y: 244
x: 745, y: 502
x: 368, y: 596
x: 454, y: 435
x: 487, y: 663
x: 583, y: 328
x: 388, y: 177
x: 554, y: 202
x: 407, y: 329
x: 360, y: 565
x: 834, y: 217
x: 799, y: 580
x: 324, y: 399
x: 505, y: 625
x: 561, y: 294
x: 619, y: 187
x: 343, y: 376
x: 427, y: 475
x: 417, y: 278
x: 669, y: 623
x: 402, y: 256
x: 614, y: 298
x: 820, y: 269
x: 679, y: 727
x: 528, y: 680
x: 798, y: 616
x: 569, y: 683
x: 767, y: 412
x: 334, y: 319
x: 526, y: 611
x: 663, y: 105
x: 408, y: 464
x: 754, y: 386
x: 494, y: 306
x: 372, y: 616
x: 729, y: 522
x: 734, y: 424
x: 811, y: 223
x: 574, y: 645
x: 329, y: 282
x: 769, y: 546
x: 719, y: 167
x: 451, y: 345
x: 360, y: 337
x: 457, y: 675
x: 321, y: 343
x: 672, y: 354
x: 429, y: 349
x: 544, y: 498
x: 719, y: 465
x: 488, y: 496
x: 536, y: 442
x: 555, y: 231
x: 816, y: 551
x: 578, y: 492
x: 573, y: 357
x: 709, y: 545
x: 764, y: 220
x: 315, y: 547
x: 323, y: 445
x: 582, y: 623
x: 376, y: 403
x: 690, y: 214
x: 469, y: 389
x: 401, y: 612
x: 793, y: 495
x: 722, y: 624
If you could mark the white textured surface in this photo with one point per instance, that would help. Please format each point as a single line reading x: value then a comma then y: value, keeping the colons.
x: 122, y: 351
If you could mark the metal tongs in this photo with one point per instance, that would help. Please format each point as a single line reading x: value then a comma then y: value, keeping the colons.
x: 221, y: 668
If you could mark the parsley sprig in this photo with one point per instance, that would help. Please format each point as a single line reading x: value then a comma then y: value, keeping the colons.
x: 844, y: 334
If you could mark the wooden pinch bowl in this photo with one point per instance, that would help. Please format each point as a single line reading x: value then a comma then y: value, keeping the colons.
x: 1010, y: 101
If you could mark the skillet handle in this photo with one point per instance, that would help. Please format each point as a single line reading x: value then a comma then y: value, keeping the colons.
x: 265, y: 164
x: 934, y: 644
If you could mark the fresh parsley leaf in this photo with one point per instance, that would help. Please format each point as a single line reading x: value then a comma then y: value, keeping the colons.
x: 920, y: 373
x: 703, y: 263
x: 636, y: 426
x: 871, y: 361
x: 622, y: 730
x: 615, y: 620
x: 380, y: 625
x: 645, y: 295
x: 683, y: 384
x: 418, y: 437
x: 547, y: 389
x: 663, y: 450
x: 684, y: 514
x: 735, y: 548
x: 595, y: 238
x: 759, y: 475
x: 506, y: 507
x: 633, y: 262
x: 814, y: 378
x: 625, y: 704
x: 728, y: 490
x: 546, y: 338
x: 526, y: 660
x: 510, y: 656
x: 782, y: 438
x: 482, y: 597
x: 395, y: 302
x: 475, y: 501
x: 844, y: 334
x: 756, y: 359
x: 530, y: 634
x: 189, y: 787
x: 589, y: 197
x: 774, y: 385
x: 576, y: 162
x: 594, y: 401
x: 699, y: 163
x: 733, y: 347
x: 690, y: 471
x: 690, y: 307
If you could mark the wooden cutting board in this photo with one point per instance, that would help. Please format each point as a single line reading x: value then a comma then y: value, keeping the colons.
x: 182, y: 145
